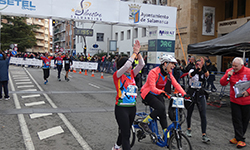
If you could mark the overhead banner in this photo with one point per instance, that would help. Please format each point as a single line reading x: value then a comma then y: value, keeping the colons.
x: 147, y: 15
x: 104, y: 11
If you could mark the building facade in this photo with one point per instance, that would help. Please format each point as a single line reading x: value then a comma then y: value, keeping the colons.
x: 191, y: 20
x: 63, y: 36
x: 42, y: 35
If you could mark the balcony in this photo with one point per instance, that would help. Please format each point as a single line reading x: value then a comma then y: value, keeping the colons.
x: 56, y: 39
x: 40, y: 44
x: 46, y: 45
x: 39, y: 30
x: 39, y: 37
x: 38, y: 23
x: 56, y: 31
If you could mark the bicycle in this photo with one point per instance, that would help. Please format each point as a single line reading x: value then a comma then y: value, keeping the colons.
x: 173, y: 138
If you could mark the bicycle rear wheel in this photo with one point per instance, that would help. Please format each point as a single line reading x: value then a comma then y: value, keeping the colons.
x: 132, y: 136
x: 181, y: 143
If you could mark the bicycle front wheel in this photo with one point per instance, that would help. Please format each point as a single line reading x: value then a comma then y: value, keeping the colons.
x: 181, y: 143
x: 132, y: 136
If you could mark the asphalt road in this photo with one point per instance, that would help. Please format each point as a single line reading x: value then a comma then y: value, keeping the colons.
x: 79, y: 115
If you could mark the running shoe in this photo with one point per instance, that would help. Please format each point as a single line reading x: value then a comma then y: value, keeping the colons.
x: 116, y: 148
x: 233, y: 141
x: 205, y: 139
x: 188, y: 133
x: 145, y: 127
x: 7, y: 98
x: 241, y: 144
x: 67, y: 79
x: 59, y: 79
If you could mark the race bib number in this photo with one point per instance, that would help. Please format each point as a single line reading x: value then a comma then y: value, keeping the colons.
x: 59, y: 62
x: 47, y: 63
x: 67, y: 62
x: 132, y: 90
x: 178, y: 102
x: 196, y: 84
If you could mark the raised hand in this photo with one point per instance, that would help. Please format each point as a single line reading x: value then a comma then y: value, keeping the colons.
x: 137, y: 47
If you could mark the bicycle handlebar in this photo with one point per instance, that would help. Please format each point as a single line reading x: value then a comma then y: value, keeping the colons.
x: 169, y: 96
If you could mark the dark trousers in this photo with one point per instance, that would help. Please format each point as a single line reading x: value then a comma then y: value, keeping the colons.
x: 45, y: 74
x: 4, y: 84
x: 157, y: 102
x: 138, y: 80
x: 201, y: 103
x: 212, y: 85
x: 125, y: 117
x: 59, y: 69
x: 240, y: 118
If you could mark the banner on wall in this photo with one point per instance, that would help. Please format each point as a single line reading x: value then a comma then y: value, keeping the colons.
x: 104, y: 11
x: 208, y: 25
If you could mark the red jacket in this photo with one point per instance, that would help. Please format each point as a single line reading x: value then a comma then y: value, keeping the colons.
x: 158, y: 87
x: 244, y: 72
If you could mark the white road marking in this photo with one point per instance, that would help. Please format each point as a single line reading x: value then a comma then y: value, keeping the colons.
x: 24, y: 77
x: 24, y: 83
x: 34, y: 103
x: 38, y: 115
x: 72, y: 129
x: 25, y: 86
x: 24, y: 128
x: 94, y: 85
x: 22, y: 80
x: 50, y: 132
x: 31, y: 96
x: 19, y: 76
x: 30, y: 90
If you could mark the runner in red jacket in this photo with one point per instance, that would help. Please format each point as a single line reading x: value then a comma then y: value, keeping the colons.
x: 240, y: 107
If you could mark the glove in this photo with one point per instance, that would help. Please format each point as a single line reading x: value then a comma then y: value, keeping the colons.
x: 187, y: 96
x: 204, y: 69
x: 196, y: 71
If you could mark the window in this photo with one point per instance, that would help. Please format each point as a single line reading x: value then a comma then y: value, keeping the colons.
x: 116, y: 36
x: 128, y: 34
x: 136, y: 33
x: 100, y: 37
x: 241, y: 7
x: 144, y: 32
x: 122, y: 35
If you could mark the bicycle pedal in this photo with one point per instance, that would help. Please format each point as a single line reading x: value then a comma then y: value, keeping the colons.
x: 153, y: 138
x: 140, y: 135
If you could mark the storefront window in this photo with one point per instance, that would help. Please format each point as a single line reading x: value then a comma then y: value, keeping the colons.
x: 229, y: 9
x: 241, y: 7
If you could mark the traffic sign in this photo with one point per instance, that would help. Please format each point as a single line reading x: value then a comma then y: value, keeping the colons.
x: 61, y: 49
x: 57, y: 50
x: 12, y: 46
x: 15, y: 48
x: 14, y: 53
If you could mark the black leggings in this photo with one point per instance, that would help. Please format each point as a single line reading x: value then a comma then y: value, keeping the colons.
x: 202, y: 106
x: 157, y: 102
x: 45, y: 74
x: 59, y: 69
x: 124, y: 117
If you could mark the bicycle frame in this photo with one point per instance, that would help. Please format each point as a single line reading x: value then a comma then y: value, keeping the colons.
x: 153, y: 125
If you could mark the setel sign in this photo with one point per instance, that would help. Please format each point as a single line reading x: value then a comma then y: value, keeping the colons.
x: 24, y: 4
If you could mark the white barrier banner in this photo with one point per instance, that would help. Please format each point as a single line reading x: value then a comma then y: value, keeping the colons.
x: 37, y: 62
